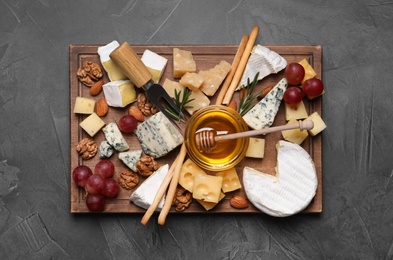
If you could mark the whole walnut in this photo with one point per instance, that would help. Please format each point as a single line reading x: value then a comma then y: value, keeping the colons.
x: 182, y: 199
x: 89, y: 73
x: 128, y: 179
x: 145, y: 106
x: 146, y: 165
x: 87, y: 148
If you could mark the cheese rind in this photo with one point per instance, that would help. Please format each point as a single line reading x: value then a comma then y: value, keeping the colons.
x: 84, y: 105
x: 293, y: 187
x: 263, y: 113
x: 115, y: 138
x: 155, y: 63
x: 92, y: 124
x: 158, y: 136
x: 130, y: 158
x: 264, y: 61
x: 144, y: 195
x: 113, y: 71
x: 214, y: 77
x: 119, y: 93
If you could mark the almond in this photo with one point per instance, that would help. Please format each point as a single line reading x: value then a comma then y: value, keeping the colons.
x: 264, y: 92
x: 238, y: 202
x: 102, y: 107
x: 232, y: 104
x: 96, y: 88
x: 136, y: 112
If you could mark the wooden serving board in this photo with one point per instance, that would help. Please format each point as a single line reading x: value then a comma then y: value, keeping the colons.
x: 206, y: 57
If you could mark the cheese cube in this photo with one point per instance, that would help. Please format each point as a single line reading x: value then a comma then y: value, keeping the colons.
x: 158, y: 136
x: 192, y: 80
x: 170, y: 87
x: 199, y: 101
x: 256, y: 148
x: 207, y: 188
x: 119, y: 93
x: 294, y: 135
x: 92, y: 124
x: 84, y: 105
x: 295, y: 112
x: 214, y: 77
x: 230, y: 180
x: 187, y: 172
x: 113, y: 71
x: 210, y: 205
x: 183, y: 62
x: 309, y: 71
x: 154, y: 63
x: 115, y: 138
x: 319, y: 124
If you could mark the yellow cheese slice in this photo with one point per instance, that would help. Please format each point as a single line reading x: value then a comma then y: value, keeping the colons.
x: 256, y: 148
x: 230, y: 180
x: 84, y: 105
x: 295, y: 112
x: 92, y: 124
x: 210, y: 205
x: 309, y: 71
x: 207, y: 188
x: 294, y: 135
x: 187, y: 172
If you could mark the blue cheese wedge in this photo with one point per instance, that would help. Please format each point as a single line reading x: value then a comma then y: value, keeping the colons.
x: 263, y: 113
x: 293, y: 187
x: 130, y: 158
x: 115, y: 138
x: 158, y: 136
x: 105, y: 150
x: 144, y: 195
x: 264, y: 61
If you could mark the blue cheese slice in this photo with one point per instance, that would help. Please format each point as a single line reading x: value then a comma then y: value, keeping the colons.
x: 105, y: 150
x: 293, y: 187
x: 264, y: 61
x: 263, y: 113
x: 144, y: 195
x: 158, y: 136
x: 115, y: 138
x: 130, y: 158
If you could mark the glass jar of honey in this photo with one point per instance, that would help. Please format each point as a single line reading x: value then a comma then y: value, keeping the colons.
x: 225, y: 154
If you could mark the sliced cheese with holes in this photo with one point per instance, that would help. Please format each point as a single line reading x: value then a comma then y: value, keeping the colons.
x: 154, y: 63
x: 264, y: 61
x: 113, y: 71
x: 263, y: 113
x: 207, y: 188
x: 211, y: 205
x: 187, y: 172
x: 293, y: 187
x: 230, y: 180
x: 144, y: 195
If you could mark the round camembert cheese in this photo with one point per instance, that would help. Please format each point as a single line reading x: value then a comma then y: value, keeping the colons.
x: 293, y: 187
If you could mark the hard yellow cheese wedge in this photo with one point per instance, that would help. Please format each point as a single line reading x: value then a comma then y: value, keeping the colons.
x: 214, y: 77
x: 192, y: 80
x: 183, y: 62
x: 309, y: 71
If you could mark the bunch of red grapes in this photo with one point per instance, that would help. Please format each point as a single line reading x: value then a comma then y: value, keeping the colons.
x: 99, y: 185
x: 313, y: 87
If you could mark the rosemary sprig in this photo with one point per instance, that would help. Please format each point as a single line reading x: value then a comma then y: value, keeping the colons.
x: 181, y: 102
x: 246, y: 97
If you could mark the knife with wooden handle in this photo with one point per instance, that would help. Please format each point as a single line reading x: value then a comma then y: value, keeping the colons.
x: 133, y: 67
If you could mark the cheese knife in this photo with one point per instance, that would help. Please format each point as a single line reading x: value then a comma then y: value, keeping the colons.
x: 133, y: 67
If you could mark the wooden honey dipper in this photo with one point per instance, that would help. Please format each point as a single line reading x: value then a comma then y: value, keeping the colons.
x: 206, y: 140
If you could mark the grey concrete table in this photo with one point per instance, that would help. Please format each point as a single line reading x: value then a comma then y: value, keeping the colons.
x: 357, y: 41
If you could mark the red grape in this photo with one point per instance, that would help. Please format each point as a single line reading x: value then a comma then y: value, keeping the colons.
x: 111, y: 188
x: 81, y: 174
x: 313, y: 87
x: 127, y: 124
x: 294, y: 73
x: 95, y: 184
x: 293, y: 95
x: 95, y: 203
x: 105, y: 168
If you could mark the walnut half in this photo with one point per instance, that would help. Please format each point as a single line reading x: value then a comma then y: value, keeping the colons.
x: 128, y: 179
x: 89, y: 73
x: 87, y: 148
x: 145, y: 106
x: 146, y: 165
x: 182, y: 199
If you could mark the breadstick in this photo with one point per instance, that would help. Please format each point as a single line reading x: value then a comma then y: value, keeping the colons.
x: 172, y: 187
x: 242, y: 65
x: 235, y: 63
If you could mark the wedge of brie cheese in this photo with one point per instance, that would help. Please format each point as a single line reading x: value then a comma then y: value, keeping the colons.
x: 154, y: 63
x: 113, y: 71
x: 293, y: 187
x: 264, y: 61
x: 144, y: 195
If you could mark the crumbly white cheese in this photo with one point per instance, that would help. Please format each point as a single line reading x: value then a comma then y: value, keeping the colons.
x: 144, y: 195
x: 158, y: 136
x: 291, y: 190
x: 263, y: 113
x: 264, y: 61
